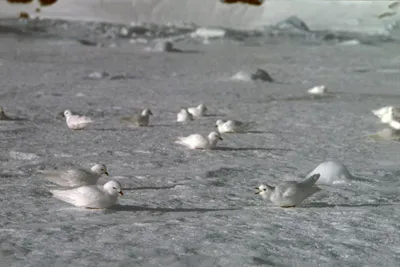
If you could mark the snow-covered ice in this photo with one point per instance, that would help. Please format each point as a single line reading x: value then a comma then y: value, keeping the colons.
x: 198, y: 208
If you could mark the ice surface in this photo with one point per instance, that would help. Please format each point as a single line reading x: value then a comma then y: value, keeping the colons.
x: 196, y: 208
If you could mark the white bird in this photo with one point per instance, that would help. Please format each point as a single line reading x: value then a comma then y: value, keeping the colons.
x: 76, y: 177
x: 289, y: 194
x: 381, y: 112
x: 232, y: 126
x: 138, y: 120
x: 76, y: 122
x: 91, y: 196
x: 318, y: 90
x: 198, y: 111
x: 197, y: 141
x: 389, y: 115
x: 184, y: 116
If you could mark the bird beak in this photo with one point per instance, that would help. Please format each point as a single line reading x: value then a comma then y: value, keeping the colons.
x: 258, y: 192
x: 106, y: 173
x: 220, y: 138
x: 121, y: 193
x: 216, y: 126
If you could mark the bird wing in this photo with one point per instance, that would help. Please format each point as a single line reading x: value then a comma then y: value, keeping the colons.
x: 78, y: 121
x: 243, y: 125
x: 84, y: 119
x: 193, y: 140
x: 71, y: 177
x: 84, y: 196
x: 56, y: 177
x: 289, y: 190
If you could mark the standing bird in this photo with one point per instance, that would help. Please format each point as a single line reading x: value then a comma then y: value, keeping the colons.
x: 197, y: 141
x: 76, y: 177
x: 198, y: 111
x: 184, y: 116
x: 76, y: 122
x: 91, y: 196
x: 291, y: 193
x: 232, y: 126
x: 138, y: 120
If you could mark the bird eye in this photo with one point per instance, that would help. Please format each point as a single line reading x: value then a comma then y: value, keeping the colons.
x: 114, y: 187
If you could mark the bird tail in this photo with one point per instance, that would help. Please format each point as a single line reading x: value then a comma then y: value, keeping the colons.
x: 86, y: 120
x: 311, y: 180
x: 64, y: 196
x: 180, y: 140
x: 54, y: 177
x: 248, y: 125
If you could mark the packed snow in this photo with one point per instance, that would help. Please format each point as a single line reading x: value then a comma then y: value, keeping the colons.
x: 197, y: 207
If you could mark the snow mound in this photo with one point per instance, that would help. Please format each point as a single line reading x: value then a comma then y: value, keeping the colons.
x: 332, y: 172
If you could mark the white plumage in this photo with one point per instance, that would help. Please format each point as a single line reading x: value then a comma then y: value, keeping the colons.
x: 184, y: 116
x: 76, y: 177
x: 198, y: 141
x: 389, y: 115
x: 91, y: 196
x: 198, y: 111
x: 318, y: 90
x: 233, y: 126
x: 76, y: 122
x: 291, y: 193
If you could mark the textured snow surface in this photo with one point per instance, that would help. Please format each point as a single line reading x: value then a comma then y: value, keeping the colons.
x: 198, y: 208
x: 349, y: 15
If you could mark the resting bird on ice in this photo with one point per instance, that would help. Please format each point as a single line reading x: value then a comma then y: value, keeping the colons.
x: 389, y: 115
x: 289, y: 194
x: 198, y: 111
x: 184, y: 116
x: 76, y: 177
x: 76, y: 122
x: 318, y: 90
x: 197, y: 141
x: 91, y: 196
x: 138, y: 120
x: 232, y: 126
